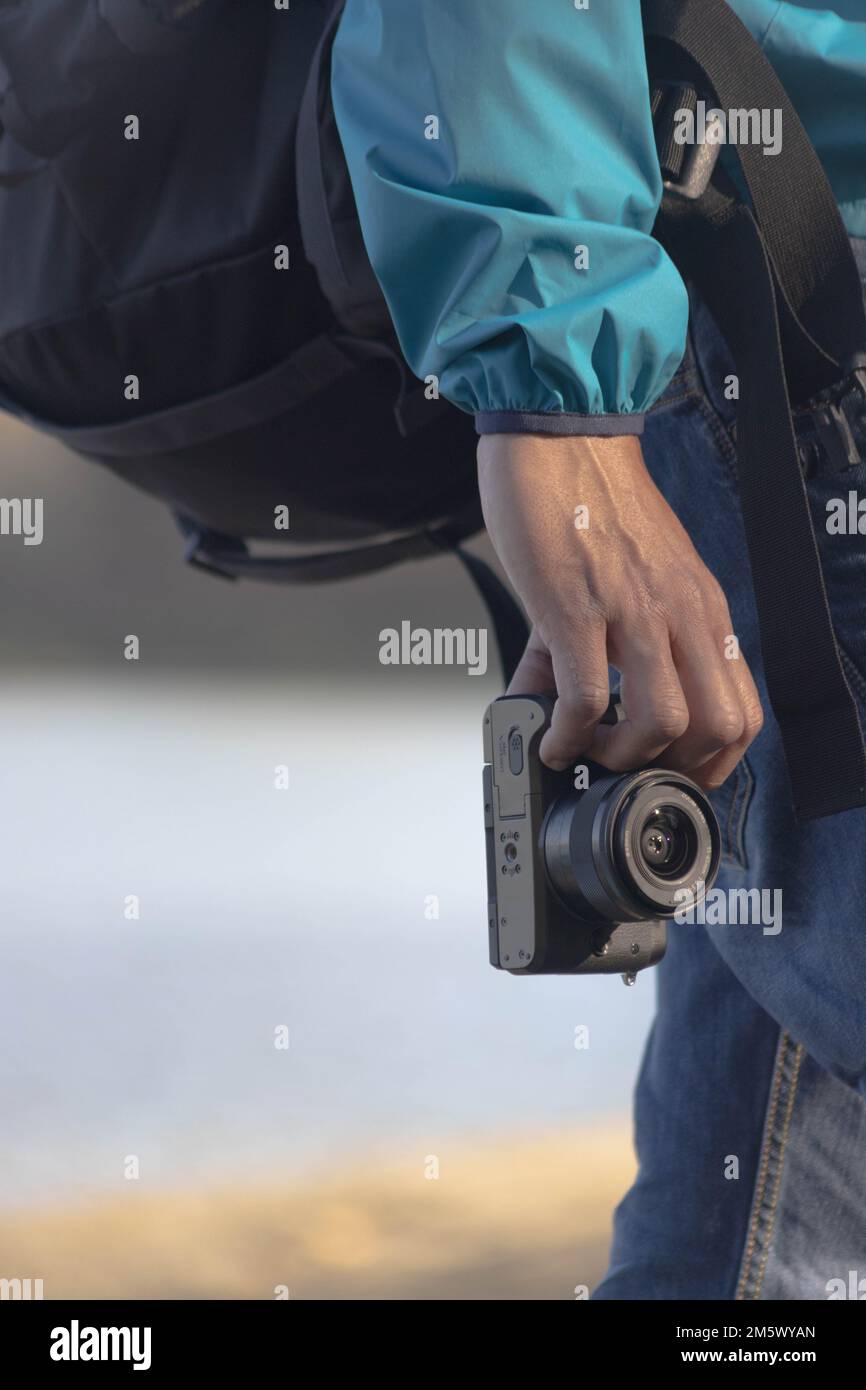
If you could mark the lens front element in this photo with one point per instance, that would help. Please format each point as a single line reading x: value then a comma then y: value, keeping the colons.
x: 668, y: 842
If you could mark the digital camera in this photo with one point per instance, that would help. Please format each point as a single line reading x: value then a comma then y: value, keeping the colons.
x: 583, y: 870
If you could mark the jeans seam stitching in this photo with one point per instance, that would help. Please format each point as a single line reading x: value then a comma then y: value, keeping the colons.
x: 763, y: 1166
x: 783, y: 1091
x: 745, y: 788
x: 734, y: 846
x: 777, y: 1185
x: 686, y: 390
x: 729, y: 819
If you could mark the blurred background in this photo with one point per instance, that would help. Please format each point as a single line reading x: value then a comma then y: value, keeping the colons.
x: 431, y: 1130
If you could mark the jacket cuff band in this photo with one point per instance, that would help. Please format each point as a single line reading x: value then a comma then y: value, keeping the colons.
x: 559, y: 423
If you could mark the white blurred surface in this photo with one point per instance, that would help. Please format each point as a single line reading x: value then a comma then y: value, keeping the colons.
x: 261, y: 907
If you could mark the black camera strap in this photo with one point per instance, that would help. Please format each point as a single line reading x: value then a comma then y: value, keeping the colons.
x: 779, y: 276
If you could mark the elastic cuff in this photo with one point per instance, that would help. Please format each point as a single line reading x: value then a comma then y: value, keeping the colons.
x: 562, y: 422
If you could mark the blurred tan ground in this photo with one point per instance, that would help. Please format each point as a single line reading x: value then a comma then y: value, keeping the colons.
x: 514, y: 1219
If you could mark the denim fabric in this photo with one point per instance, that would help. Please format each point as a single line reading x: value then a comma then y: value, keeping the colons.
x: 750, y: 1109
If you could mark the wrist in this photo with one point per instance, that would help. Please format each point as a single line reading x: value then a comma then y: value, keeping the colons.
x: 552, y: 455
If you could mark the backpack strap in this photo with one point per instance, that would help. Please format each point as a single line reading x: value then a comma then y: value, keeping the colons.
x: 779, y: 276
x: 231, y: 559
x: 317, y: 364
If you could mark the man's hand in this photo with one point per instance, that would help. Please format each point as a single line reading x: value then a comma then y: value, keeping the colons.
x: 626, y: 589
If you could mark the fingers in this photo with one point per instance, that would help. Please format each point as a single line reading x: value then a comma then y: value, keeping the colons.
x: 687, y: 706
x: 724, y: 706
x: 716, y: 715
x: 655, y: 706
x: 582, y: 696
x: 608, y: 575
x: 712, y: 773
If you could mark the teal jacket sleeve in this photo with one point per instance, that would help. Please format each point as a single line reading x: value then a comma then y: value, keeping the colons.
x: 503, y: 162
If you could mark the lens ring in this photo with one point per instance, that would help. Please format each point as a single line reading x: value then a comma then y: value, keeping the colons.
x: 673, y: 806
x: 591, y: 864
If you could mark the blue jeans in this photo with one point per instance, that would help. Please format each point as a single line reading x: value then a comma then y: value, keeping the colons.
x: 750, y: 1110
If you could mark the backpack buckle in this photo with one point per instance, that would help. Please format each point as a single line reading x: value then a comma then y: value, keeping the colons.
x: 837, y: 441
x: 695, y: 177
x: 687, y: 169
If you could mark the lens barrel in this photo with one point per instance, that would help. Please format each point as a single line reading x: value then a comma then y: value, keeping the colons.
x: 632, y: 846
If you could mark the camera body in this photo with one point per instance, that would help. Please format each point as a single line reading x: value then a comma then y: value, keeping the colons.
x: 581, y: 878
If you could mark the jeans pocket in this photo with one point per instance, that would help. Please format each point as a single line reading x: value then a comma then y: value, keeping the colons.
x: 731, y: 802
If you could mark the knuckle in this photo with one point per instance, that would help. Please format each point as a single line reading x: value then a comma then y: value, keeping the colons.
x: 691, y: 591
x: 724, y: 726
x: 716, y: 598
x: 588, y: 702
x: 668, y: 723
x: 754, y: 722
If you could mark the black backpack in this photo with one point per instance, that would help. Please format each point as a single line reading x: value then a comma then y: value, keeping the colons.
x: 188, y: 301
x: 194, y: 307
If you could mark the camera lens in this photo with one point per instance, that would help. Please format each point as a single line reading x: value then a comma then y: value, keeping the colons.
x: 632, y: 847
x: 668, y: 842
x: 664, y: 839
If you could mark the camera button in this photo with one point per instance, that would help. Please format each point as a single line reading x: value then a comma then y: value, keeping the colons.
x: 515, y: 752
